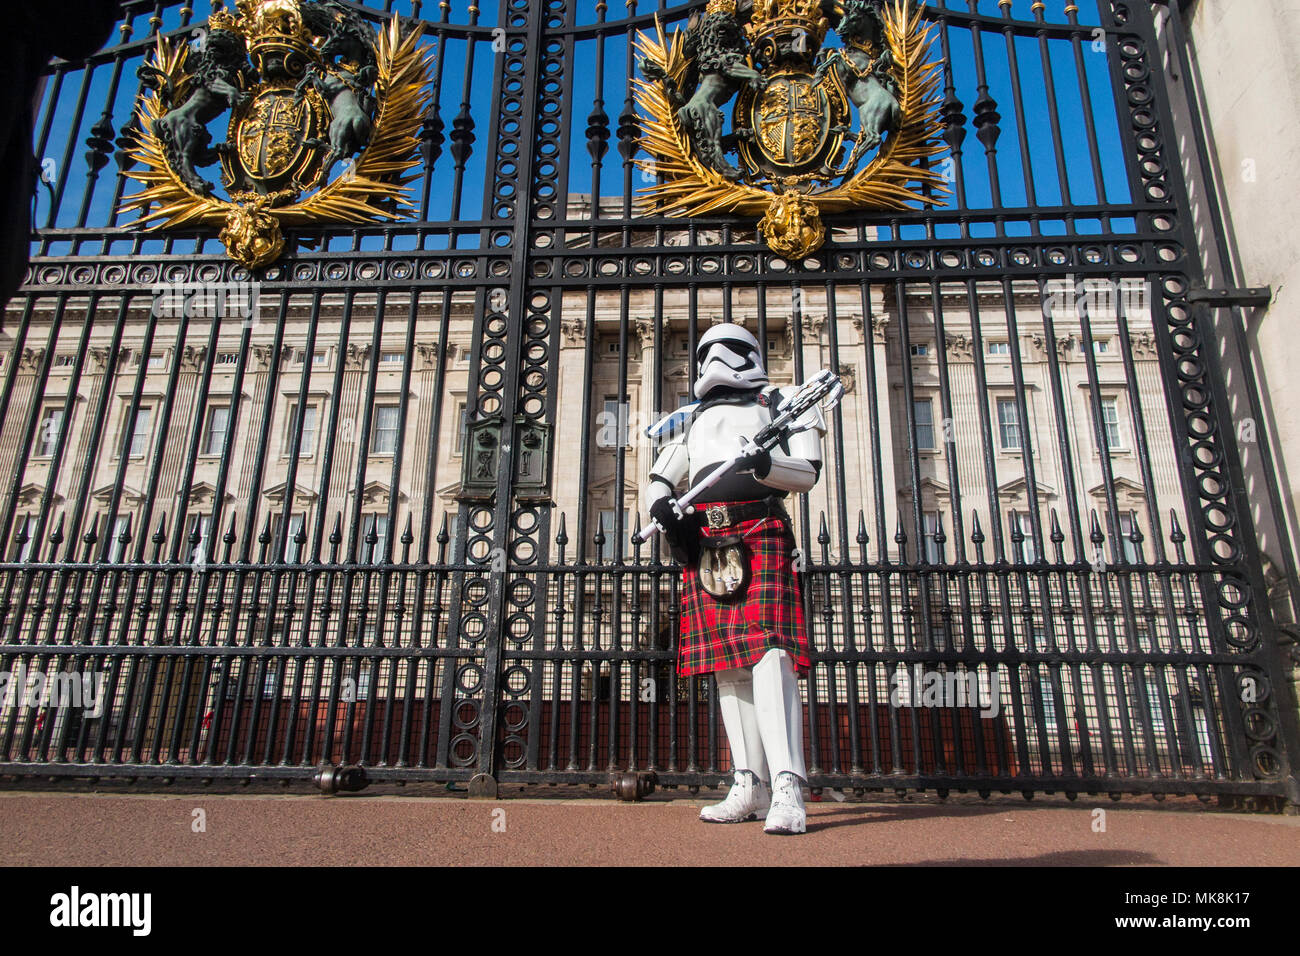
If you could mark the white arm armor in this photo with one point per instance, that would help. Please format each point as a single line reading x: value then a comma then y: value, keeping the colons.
x: 799, y: 470
x: 669, y: 470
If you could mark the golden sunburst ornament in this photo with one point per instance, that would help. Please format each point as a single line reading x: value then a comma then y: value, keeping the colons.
x: 311, y: 88
x: 792, y: 122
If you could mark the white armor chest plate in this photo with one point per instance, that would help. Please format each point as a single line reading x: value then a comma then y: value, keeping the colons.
x: 715, y: 434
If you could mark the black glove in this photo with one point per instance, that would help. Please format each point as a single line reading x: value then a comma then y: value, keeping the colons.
x: 680, y: 533
x: 760, y: 463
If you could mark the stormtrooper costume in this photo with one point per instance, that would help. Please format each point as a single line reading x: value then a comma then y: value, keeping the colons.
x: 755, y: 640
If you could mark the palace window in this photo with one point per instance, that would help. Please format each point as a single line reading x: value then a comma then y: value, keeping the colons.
x: 930, y: 524
x: 1009, y: 424
x: 218, y: 425
x: 290, y: 550
x: 47, y: 437
x: 607, y: 549
x: 384, y: 440
x: 923, y: 410
x: 1110, y: 421
x: 307, y: 444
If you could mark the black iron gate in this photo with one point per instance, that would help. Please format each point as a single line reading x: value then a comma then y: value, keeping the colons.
x: 378, y: 514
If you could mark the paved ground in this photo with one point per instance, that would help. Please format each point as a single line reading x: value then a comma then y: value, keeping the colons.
x: 96, y: 829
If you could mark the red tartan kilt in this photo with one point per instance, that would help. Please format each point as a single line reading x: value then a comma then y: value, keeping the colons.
x: 718, y: 635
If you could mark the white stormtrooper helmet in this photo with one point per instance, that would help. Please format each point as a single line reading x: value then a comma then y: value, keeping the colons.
x: 728, y: 355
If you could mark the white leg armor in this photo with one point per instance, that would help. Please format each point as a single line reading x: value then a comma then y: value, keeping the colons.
x: 736, y: 701
x: 748, y: 795
x: 780, y: 721
x: 780, y: 713
x: 763, y: 717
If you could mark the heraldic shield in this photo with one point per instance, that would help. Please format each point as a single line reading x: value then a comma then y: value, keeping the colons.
x: 798, y: 122
x: 276, y: 139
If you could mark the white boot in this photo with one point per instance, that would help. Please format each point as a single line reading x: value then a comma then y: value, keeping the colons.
x: 749, y: 795
x: 787, y: 814
x: 745, y: 801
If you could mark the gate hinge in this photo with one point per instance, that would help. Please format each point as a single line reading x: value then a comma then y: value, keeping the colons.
x: 1255, y: 297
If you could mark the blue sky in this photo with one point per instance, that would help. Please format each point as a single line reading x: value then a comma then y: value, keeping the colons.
x: 68, y: 162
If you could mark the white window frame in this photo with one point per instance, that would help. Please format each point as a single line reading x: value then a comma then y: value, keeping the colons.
x: 49, y: 412
x: 371, y: 519
x: 1114, y: 434
x: 607, y: 550
x: 376, y: 431
x: 207, y: 431
x: 1001, y: 402
x: 1020, y: 521
x: 928, y: 404
x: 306, y: 449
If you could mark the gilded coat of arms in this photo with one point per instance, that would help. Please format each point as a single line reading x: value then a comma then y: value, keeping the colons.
x: 323, y: 115
x: 803, y: 120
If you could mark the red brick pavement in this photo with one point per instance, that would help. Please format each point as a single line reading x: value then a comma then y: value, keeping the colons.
x: 95, y: 829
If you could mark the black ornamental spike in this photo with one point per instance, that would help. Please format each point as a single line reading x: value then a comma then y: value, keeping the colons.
x: 431, y: 136
x: 1136, y: 535
x: 823, y: 534
x: 336, y: 536
x: 1095, y: 526
x: 629, y: 134
x: 862, y: 528
x: 987, y: 119
x: 442, y: 538
x: 954, y: 122
x: 462, y: 135
x: 563, y: 537
x: 407, y: 536
x: 265, y: 537
x: 56, y: 536
x: 977, y: 533
x: 1057, y: 536
x: 91, y: 537
x: 939, y: 536
x: 127, y: 140
x: 597, y: 133
x: 229, y: 537
x: 900, y: 536
x: 100, y: 142
x: 1176, y: 530
x: 160, y: 535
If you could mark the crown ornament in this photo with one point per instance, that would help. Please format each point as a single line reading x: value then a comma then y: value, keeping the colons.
x: 779, y: 28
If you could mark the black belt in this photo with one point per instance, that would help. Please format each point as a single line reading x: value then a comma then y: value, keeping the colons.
x: 720, y: 514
